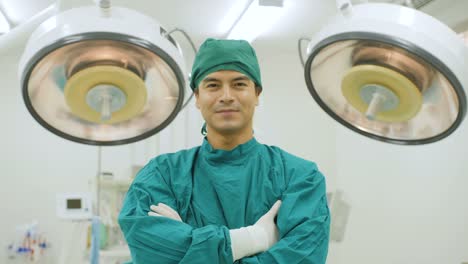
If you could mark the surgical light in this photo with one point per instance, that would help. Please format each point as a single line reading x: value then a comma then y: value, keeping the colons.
x: 102, y: 75
x: 389, y: 72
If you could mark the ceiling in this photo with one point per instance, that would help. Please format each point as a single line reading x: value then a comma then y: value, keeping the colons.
x: 202, y: 18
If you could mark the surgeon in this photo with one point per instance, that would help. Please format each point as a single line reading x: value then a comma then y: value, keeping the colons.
x: 232, y: 199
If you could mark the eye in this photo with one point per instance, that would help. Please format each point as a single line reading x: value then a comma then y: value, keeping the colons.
x: 211, y: 85
x: 241, y: 84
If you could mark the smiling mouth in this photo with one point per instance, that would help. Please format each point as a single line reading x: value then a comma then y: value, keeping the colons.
x: 226, y: 111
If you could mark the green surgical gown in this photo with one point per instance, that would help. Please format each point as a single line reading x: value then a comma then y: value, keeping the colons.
x: 217, y: 190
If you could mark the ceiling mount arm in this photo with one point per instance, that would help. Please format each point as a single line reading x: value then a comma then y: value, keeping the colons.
x: 344, y: 6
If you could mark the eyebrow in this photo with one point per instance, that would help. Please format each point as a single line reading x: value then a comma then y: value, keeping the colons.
x: 209, y: 79
x: 240, y: 78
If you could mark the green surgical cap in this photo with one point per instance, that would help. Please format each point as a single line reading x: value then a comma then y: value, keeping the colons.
x: 223, y: 54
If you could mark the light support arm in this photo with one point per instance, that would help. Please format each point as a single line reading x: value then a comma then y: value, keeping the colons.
x: 195, y: 50
x: 344, y: 6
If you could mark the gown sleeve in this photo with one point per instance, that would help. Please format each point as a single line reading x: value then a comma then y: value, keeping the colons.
x: 303, y: 222
x: 162, y: 240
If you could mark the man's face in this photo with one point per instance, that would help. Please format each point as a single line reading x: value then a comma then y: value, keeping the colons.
x: 227, y: 101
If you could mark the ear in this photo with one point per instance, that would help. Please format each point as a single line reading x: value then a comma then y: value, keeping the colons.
x: 197, y: 104
x: 258, y: 91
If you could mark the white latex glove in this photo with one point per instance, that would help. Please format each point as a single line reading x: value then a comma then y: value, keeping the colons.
x: 165, y: 211
x: 250, y: 240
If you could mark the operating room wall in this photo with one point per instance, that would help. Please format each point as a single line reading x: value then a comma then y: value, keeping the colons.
x: 409, y: 203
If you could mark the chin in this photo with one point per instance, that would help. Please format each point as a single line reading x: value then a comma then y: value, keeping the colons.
x: 228, y: 129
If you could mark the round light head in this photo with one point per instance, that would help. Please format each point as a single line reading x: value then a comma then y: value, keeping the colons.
x: 102, y: 81
x: 383, y: 78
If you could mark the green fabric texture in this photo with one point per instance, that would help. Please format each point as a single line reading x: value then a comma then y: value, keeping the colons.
x: 223, y: 54
x: 215, y: 191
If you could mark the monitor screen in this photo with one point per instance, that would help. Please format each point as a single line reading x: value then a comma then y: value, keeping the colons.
x: 73, y: 203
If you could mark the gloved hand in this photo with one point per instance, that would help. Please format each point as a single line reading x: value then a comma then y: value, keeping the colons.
x: 250, y: 240
x: 164, y: 210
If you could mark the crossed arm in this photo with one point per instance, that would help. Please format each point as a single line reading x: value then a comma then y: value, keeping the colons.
x: 302, y: 222
x: 245, y: 241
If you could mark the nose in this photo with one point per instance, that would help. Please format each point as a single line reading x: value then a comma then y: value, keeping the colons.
x: 226, y: 97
